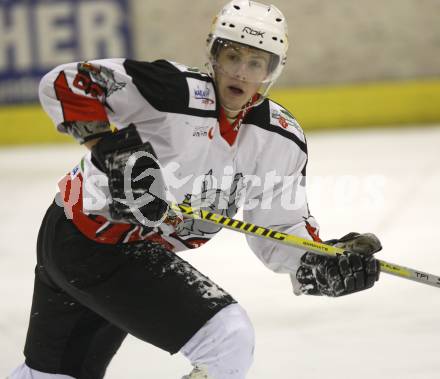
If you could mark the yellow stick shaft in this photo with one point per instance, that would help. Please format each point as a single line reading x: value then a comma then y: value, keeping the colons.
x: 302, y: 243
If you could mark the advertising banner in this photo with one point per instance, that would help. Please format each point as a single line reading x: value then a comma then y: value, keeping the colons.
x: 37, y: 35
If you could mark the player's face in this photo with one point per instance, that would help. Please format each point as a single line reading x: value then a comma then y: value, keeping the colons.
x: 239, y: 73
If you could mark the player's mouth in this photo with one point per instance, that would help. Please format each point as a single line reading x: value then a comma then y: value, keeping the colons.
x: 234, y: 90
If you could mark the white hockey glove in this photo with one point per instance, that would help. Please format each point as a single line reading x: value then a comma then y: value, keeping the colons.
x: 354, y: 271
x: 137, y: 197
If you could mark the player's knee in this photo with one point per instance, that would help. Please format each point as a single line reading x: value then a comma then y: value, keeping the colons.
x: 225, y: 344
x: 239, y: 329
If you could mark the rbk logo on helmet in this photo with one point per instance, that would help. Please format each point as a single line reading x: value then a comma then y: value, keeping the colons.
x: 253, y: 32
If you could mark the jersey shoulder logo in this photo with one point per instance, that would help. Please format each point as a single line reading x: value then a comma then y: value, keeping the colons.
x: 96, y: 80
x: 201, y: 94
x: 283, y: 118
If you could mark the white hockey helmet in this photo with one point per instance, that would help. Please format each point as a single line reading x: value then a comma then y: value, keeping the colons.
x: 252, y: 24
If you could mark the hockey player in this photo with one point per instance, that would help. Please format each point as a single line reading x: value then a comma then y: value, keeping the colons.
x: 106, y: 251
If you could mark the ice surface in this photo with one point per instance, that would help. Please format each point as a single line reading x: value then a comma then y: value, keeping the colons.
x: 381, y: 181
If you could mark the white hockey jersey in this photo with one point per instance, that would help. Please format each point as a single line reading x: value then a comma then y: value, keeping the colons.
x: 258, y: 163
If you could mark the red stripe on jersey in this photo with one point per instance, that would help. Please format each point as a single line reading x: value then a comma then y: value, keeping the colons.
x: 313, y: 232
x: 77, y: 107
x: 229, y: 131
x: 71, y: 190
x: 194, y: 243
x: 156, y: 237
x: 191, y: 243
x: 98, y: 228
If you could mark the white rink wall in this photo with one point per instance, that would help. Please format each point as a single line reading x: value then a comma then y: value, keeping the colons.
x: 381, y: 181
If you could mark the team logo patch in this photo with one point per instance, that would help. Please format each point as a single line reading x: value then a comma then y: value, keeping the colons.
x: 201, y: 131
x: 201, y: 94
x: 98, y: 81
x: 213, y: 199
x: 283, y: 118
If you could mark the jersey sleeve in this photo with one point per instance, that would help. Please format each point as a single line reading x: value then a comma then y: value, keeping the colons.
x: 86, y: 97
x: 279, y: 202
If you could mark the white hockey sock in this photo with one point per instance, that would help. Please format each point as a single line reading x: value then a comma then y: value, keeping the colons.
x: 25, y: 372
x: 224, y: 345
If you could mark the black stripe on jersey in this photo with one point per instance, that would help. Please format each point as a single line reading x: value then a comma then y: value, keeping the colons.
x: 260, y: 116
x: 165, y: 87
x: 304, y: 170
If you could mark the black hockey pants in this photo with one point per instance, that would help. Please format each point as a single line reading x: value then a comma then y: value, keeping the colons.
x: 88, y: 296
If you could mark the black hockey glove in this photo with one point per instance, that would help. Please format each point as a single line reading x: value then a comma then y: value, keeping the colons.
x: 134, y: 177
x: 354, y: 271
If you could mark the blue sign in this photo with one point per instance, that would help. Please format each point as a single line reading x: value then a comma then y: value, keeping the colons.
x: 37, y: 35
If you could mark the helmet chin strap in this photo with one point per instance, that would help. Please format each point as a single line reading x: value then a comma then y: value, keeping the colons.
x: 233, y: 110
x: 247, y: 106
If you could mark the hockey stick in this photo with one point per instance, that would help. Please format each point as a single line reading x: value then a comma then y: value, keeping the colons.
x: 302, y: 243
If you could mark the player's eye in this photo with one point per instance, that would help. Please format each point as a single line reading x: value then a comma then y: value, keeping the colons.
x: 256, y: 64
x: 233, y: 57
